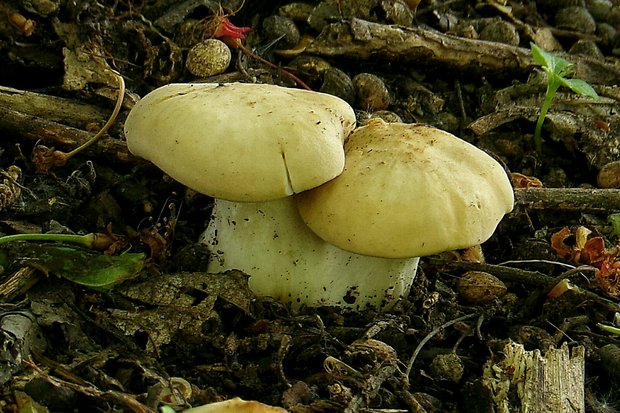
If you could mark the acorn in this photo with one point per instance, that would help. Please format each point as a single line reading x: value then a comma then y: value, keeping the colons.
x: 478, y: 287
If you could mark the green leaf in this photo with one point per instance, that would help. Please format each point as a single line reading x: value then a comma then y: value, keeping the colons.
x: 540, y: 56
x: 553, y: 63
x: 614, y: 220
x: 100, y: 271
x: 562, y: 68
x: 580, y: 87
x: 75, y: 264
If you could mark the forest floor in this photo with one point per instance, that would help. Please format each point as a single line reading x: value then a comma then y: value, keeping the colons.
x: 175, y: 335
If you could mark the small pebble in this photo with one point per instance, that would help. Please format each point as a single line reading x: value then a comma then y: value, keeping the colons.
x: 298, y: 11
x: 281, y: 30
x: 613, y: 17
x: 338, y: 83
x: 311, y: 68
x: 371, y: 93
x: 587, y: 48
x: 609, y: 176
x: 447, y: 367
x: 545, y: 39
x: 556, y: 178
x: 606, y: 32
x: 364, y: 117
x: 599, y: 8
x: 575, y: 18
x: 387, y: 115
x: 208, y: 58
x: 610, y: 359
x: 398, y: 12
x: 500, y: 31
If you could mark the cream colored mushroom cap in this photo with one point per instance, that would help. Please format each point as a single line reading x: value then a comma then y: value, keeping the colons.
x: 241, y: 142
x: 408, y: 190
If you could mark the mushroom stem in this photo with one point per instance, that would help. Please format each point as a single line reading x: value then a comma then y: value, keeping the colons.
x: 287, y: 261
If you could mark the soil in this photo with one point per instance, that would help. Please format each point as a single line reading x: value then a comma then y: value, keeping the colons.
x: 175, y: 335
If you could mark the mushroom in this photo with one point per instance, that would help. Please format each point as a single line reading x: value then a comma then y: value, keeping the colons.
x: 408, y: 190
x: 259, y: 144
x: 241, y: 142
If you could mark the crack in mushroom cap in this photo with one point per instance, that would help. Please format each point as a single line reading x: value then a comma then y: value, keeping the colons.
x: 241, y: 142
x: 408, y: 190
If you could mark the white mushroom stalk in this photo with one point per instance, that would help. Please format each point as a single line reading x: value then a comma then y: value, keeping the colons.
x: 259, y: 144
x: 289, y: 262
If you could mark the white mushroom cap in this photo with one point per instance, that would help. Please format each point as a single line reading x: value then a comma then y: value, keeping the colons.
x: 408, y: 190
x: 241, y: 142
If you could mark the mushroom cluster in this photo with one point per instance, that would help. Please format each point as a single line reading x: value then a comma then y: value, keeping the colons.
x: 313, y: 211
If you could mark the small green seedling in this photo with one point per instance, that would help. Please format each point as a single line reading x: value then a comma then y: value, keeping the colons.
x: 557, y: 71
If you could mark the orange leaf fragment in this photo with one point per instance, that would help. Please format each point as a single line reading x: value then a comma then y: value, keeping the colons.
x: 524, y: 181
x: 557, y: 242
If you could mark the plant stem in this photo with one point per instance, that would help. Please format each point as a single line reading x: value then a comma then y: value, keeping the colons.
x: 552, y: 87
x: 609, y: 329
x: 111, y: 120
x: 84, y: 240
x: 286, y: 73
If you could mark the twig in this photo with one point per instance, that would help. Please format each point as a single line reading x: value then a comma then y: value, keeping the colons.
x: 371, y: 388
x: 363, y: 40
x: 534, y: 278
x: 245, y: 50
x: 126, y: 400
x: 431, y: 335
x: 569, y: 199
x: 67, y: 111
x: 519, y: 275
x: 35, y: 128
x: 45, y: 158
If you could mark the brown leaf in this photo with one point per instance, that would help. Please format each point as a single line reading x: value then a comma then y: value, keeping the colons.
x: 524, y: 181
x: 557, y: 242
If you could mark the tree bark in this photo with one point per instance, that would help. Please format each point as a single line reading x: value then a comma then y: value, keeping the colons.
x: 528, y: 382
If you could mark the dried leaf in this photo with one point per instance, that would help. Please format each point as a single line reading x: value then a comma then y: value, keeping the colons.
x: 608, y: 278
x: 591, y: 252
x: 557, y: 242
x: 581, y: 236
x: 594, y: 251
x: 176, y: 306
x: 524, y: 181
x: 10, y: 190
